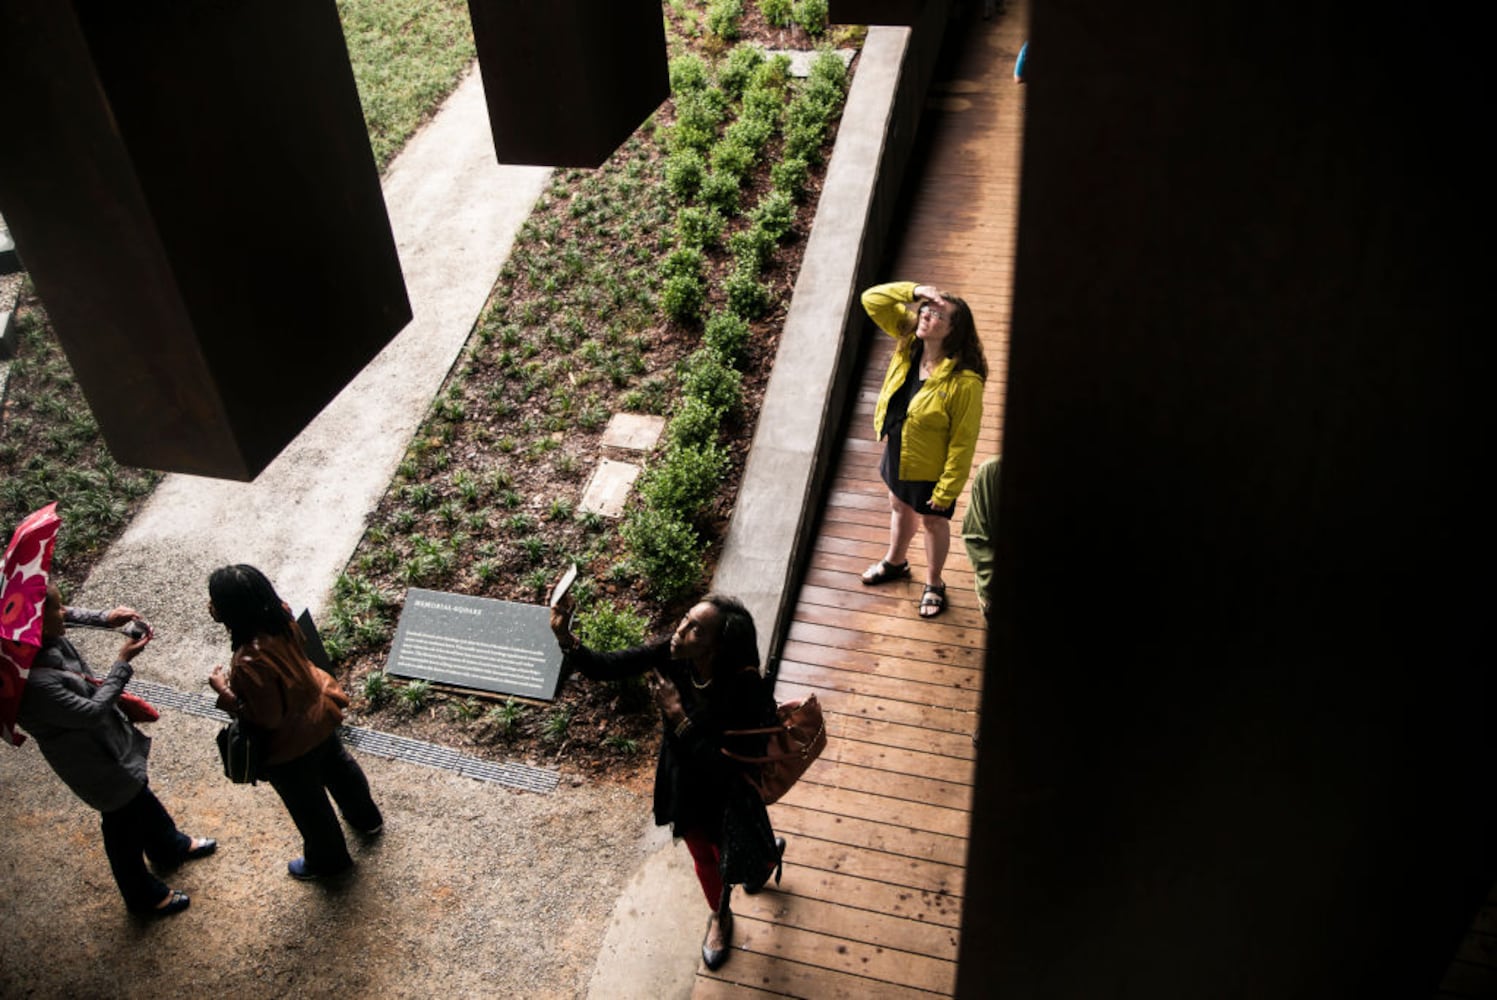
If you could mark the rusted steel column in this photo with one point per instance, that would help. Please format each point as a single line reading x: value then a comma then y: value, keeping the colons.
x: 193, y: 190
x: 567, y: 81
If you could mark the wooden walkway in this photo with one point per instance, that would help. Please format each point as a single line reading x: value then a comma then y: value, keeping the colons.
x: 870, y: 905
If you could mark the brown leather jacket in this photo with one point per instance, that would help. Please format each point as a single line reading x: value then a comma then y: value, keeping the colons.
x: 274, y: 686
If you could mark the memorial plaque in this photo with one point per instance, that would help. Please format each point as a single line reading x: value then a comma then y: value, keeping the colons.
x: 477, y: 642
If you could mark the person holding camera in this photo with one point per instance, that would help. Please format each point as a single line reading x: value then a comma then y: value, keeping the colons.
x: 297, y: 708
x: 706, y: 683
x: 101, y: 755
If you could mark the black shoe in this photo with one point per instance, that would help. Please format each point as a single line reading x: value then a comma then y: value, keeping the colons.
x: 779, y: 848
x: 204, y: 848
x: 714, y: 958
x: 175, y: 902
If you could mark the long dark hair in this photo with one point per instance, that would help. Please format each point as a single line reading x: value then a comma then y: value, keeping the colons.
x: 247, y: 604
x: 737, y: 640
x: 962, y: 341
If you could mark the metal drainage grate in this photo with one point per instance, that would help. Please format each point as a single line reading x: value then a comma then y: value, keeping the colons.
x: 522, y: 776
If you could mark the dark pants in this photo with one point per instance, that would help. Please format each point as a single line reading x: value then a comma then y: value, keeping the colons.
x: 141, y: 829
x: 304, y: 785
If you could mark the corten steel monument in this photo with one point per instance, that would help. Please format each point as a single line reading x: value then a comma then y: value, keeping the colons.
x: 567, y: 81
x: 193, y: 193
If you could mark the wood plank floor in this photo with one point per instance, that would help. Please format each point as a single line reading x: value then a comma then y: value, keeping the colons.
x: 870, y: 905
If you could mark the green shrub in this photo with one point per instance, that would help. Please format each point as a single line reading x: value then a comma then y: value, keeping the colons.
x: 775, y: 214
x: 776, y: 12
x: 752, y: 133
x: 723, y: 17
x: 700, y: 110
x: 747, y: 295
x: 695, y: 423
x: 682, y: 297
x: 829, y: 66
x: 706, y: 376
x: 606, y: 627
x: 811, y: 15
x: 803, y: 139
x: 751, y: 248
x: 763, y: 104
x: 789, y: 176
x: 720, y: 191
x: 823, y: 94
x: 728, y: 334
x: 684, y: 480
x: 772, y: 74
x: 688, y: 72
x: 733, y: 156
x: 665, y: 551
x: 699, y: 227
x: 683, y: 261
x: 681, y: 137
x: 737, y: 68
x: 684, y: 170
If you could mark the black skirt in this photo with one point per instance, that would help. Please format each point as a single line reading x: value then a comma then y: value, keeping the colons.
x: 915, y: 492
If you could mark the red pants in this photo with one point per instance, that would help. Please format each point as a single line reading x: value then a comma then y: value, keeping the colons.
x: 705, y: 856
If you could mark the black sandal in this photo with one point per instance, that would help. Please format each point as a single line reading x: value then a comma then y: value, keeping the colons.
x: 933, y: 597
x: 883, y: 571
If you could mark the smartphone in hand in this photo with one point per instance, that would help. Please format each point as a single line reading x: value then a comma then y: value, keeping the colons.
x: 563, y: 585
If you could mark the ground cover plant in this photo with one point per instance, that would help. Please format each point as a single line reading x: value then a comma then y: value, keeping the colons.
x: 407, y: 55
x: 51, y: 449
x: 655, y: 284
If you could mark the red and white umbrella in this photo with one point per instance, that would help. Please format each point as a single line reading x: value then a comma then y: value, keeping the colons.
x: 28, y: 561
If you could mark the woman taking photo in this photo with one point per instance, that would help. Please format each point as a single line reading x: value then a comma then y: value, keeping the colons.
x: 929, y: 411
x: 102, y: 756
x: 706, y: 682
x: 297, y: 706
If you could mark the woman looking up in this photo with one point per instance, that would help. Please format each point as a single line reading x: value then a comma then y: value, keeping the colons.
x: 929, y: 412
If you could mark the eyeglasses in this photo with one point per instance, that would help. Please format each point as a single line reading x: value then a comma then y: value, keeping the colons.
x: 926, y: 307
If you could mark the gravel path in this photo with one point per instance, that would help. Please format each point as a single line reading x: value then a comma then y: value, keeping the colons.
x: 473, y: 889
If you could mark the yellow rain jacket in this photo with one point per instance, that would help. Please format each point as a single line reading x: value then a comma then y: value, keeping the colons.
x: 940, y: 432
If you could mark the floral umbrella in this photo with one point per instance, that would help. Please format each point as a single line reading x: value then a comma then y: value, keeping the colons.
x: 28, y: 560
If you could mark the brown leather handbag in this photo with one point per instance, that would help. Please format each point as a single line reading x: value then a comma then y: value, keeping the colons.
x: 792, y: 746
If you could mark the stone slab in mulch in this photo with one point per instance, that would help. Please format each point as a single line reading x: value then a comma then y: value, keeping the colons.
x: 609, y: 487
x: 633, y: 431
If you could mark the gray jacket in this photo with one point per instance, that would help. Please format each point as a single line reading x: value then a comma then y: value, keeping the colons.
x: 82, y: 733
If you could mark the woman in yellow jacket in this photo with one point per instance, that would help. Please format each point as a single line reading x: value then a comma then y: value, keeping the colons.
x: 929, y: 410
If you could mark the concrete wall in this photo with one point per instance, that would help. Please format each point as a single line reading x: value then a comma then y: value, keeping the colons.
x: 1239, y: 735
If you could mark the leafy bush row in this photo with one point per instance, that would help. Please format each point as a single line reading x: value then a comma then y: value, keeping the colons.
x: 725, y: 122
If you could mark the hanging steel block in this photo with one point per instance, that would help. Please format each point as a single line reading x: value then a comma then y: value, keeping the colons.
x: 567, y: 81
x: 192, y: 188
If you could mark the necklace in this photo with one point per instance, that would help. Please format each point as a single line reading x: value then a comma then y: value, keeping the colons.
x: 692, y: 676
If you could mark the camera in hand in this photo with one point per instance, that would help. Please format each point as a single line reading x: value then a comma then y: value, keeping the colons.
x: 135, y: 629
